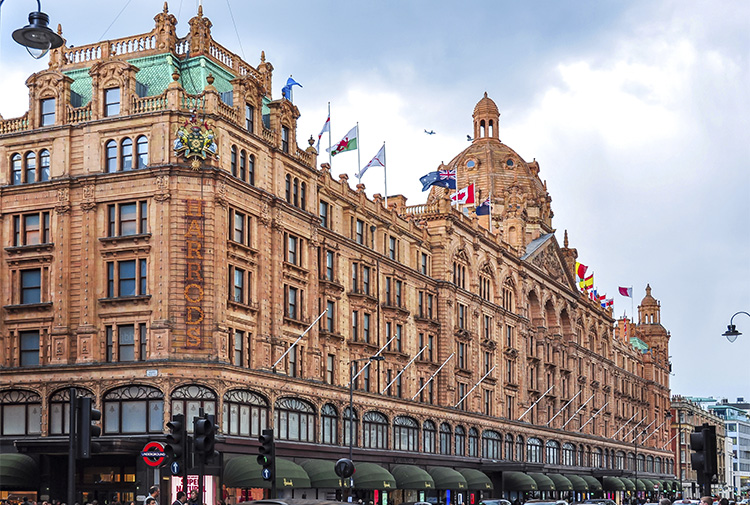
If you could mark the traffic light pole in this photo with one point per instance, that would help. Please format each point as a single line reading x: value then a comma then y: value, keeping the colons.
x: 72, y: 446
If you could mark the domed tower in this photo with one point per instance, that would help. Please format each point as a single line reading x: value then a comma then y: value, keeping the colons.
x: 648, y: 310
x: 650, y: 328
x: 521, y: 210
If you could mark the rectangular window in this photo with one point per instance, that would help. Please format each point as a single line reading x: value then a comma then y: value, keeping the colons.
x: 461, y: 394
x: 509, y: 336
x: 126, y: 342
x: 29, y: 348
x: 430, y: 299
x: 355, y: 277
x: 331, y: 316
x: 509, y: 407
x: 388, y: 333
x: 111, y: 102
x: 293, y: 302
x: 47, y: 109
x: 250, y: 118
x: 360, y: 232
x: 423, y: 264
x: 143, y: 342
x: 330, y: 360
x: 366, y: 380
x: 423, y: 355
x: 388, y: 379
x: 399, y: 339
x: 238, y: 348
x: 366, y: 327
x: 292, y: 362
x: 31, y: 229
x: 388, y: 291
x: 487, y: 361
x: 292, y: 250
x: 31, y: 286
x: 399, y: 388
x: 127, y: 219
x: 323, y: 211
x: 487, y: 396
x: 238, y: 289
x: 285, y: 139
x: 509, y: 371
x: 355, y: 325
x: 487, y: 327
x: 239, y: 227
x: 329, y: 266
x: 461, y: 355
x: 399, y: 285
x: 420, y: 303
x: 127, y: 278
x: 366, y: 280
x: 430, y: 346
x: 392, y: 248
x: 462, y: 316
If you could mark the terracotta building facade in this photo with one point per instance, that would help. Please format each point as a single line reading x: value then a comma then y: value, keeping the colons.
x: 159, y: 284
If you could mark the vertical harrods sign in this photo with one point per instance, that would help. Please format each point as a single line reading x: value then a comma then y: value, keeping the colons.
x: 194, y: 273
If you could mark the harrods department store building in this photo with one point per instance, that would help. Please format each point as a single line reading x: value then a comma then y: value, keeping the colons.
x: 159, y: 284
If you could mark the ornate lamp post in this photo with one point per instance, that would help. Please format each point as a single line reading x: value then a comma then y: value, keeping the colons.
x: 36, y: 37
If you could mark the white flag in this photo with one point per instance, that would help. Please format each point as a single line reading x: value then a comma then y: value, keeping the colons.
x: 377, y: 161
x: 326, y: 128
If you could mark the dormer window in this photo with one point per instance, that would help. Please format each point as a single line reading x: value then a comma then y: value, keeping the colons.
x: 285, y: 139
x: 47, y: 112
x: 249, y: 117
x: 111, y: 102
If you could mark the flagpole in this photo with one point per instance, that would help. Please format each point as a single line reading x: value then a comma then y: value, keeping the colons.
x: 385, y: 177
x: 632, y: 310
x: 330, y: 159
x: 359, y: 166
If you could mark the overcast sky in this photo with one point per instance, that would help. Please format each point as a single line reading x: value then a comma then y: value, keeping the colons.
x: 636, y: 111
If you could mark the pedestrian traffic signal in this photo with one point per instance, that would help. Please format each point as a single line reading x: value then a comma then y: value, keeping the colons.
x: 267, y: 455
x: 85, y: 428
x: 205, y: 437
x: 344, y: 468
x: 176, y: 447
x: 703, y: 459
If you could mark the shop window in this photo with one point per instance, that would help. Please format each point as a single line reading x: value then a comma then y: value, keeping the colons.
x: 329, y: 422
x: 445, y: 439
x: 20, y: 413
x: 294, y: 419
x: 491, y: 444
x: 134, y: 409
x: 374, y: 431
x: 59, y: 409
x: 188, y: 400
x: 245, y: 413
x: 429, y: 434
x: 460, y: 438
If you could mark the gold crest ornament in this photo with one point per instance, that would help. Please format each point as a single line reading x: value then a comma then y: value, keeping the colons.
x: 195, y: 140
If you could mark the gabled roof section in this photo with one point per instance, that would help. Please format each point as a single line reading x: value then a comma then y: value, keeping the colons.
x: 544, y: 254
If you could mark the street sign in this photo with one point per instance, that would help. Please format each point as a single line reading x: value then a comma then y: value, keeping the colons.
x: 656, y: 487
x: 153, y: 454
x: 175, y: 467
x: 266, y: 474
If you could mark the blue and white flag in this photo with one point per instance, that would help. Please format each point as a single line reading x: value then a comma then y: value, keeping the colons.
x: 442, y: 178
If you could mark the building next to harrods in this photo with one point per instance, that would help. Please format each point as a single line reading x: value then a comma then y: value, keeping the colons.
x: 166, y: 242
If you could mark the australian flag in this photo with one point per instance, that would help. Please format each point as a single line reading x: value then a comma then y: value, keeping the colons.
x: 443, y: 178
x: 483, y: 209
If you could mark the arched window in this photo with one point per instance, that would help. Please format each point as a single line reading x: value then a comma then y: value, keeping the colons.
x: 631, y: 461
x: 20, y: 412
x: 135, y: 409
x: 126, y: 154
x: 508, y: 296
x: 141, y: 146
x: 374, y: 431
x: 16, y: 169
x: 460, y: 441
x: 620, y: 460
x: 428, y: 436
x: 519, y: 448
x: 44, y: 160
x: 445, y: 438
x: 581, y: 456
x: 188, y: 400
x: 569, y: 454
x: 491, y: 444
x: 406, y: 434
x: 473, y: 443
x: 657, y: 465
x: 233, y: 161
x: 641, y: 462
x: 59, y: 410
x: 30, y: 168
x: 244, y: 413
x: 534, y: 450
x: 509, y: 447
x: 251, y: 169
x: 596, y: 458
x: 294, y: 419
x: 347, y: 426
x: 553, y: 452
x: 110, y: 156
x: 243, y: 165
x: 482, y: 132
x: 329, y: 425
x: 302, y: 196
x: 649, y: 464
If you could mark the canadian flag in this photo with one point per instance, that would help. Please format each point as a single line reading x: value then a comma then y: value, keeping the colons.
x: 464, y: 196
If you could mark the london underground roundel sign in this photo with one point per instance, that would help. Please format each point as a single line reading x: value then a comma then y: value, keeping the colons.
x: 153, y: 454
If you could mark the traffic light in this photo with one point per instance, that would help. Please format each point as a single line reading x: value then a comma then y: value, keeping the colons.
x: 176, y: 447
x: 344, y: 468
x: 703, y: 458
x: 267, y: 455
x: 205, y: 437
x: 87, y: 415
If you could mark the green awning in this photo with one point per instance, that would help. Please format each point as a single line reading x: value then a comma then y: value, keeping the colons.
x: 676, y: 485
x: 244, y: 471
x: 518, y: 481
x: 649, y: 484
x: 372, y: 476
x: 412, y: 477
x: 18, y: 472
x: 476, y: 479
x: 629, y: 484
x: 561, y: 482
x: 594, y: 484
x: 579, y: 483
x: 322, y: 474
x: 613, y: 484
x: 640, y: 485
x: 447, y: 478
x: 667, y: 485
x: 543, y: 482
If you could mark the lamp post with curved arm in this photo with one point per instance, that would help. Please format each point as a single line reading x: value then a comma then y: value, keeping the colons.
x: 37, y: 37
x: 732, y: 332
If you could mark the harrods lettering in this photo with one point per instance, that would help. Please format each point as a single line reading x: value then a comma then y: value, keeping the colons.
x: 193, y: 291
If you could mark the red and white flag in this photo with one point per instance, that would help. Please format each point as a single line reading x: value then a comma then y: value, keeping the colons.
x: 326, y: 128
x: 464, y: 196
x: 626, y: 291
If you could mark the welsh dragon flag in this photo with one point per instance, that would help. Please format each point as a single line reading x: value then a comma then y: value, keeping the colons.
x: 348, y: 143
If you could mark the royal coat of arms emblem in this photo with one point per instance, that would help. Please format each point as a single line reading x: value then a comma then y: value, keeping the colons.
x: 195, y: 140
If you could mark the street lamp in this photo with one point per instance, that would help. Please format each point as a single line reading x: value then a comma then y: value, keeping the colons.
x: 351, y: 396
x: 36, y: 37
x: 732, y: 332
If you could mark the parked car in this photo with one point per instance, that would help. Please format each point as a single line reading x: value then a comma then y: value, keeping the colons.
x: 546, y: 502
x: 599, y: 501
x: 494, y: 501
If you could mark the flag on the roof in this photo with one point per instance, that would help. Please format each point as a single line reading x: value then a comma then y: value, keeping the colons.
x: 348, y: 143
x: 483, y: 209
x: 626, y: 291
x: 377, y: 161
x: 587, y: 283
x: 326, y: 128
x: 464, y: 196
x: 581, y: 270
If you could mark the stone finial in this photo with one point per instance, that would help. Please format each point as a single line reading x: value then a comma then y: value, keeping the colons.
x: 326, y: 167
x: 311, y: 140
x: 166, y: 8
x: 360, y: 188
x: 210, y: 79
x: 343, y: 177
x: 200, y: 10
x: 175, y: 75
x: 262, y: 56
x: 565, y: 239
